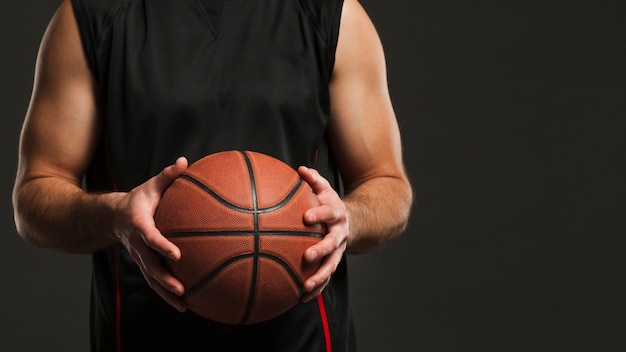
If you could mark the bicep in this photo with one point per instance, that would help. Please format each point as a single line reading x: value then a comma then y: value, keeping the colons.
x: 60, y: 130
x: 363, y: 129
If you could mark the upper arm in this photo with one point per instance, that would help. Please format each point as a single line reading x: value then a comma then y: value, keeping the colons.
x: 363, y: 129
x: 61, y: 128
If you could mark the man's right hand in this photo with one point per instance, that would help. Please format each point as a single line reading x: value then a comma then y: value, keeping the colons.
x: 136, y: 230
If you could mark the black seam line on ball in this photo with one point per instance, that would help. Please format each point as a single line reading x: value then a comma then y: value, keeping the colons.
x: 287, y: 268
x: 244, y: 233
x: 208, y: 277
x: 230, y: 205
x: 255, y: 214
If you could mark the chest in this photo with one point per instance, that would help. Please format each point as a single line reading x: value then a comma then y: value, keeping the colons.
x: 170, y: 57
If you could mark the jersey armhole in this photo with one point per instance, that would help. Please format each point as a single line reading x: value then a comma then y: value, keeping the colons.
x: 93, y: 19
x: 325, y: 16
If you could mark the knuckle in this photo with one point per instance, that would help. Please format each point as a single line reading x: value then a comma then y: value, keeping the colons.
x: 336, y: 214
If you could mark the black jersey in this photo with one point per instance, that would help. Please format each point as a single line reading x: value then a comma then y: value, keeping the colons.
x: 190, y: 78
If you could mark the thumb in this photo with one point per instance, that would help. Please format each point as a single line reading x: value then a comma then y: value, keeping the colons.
x: 169, y: 174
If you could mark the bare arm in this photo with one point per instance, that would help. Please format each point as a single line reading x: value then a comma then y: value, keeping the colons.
x: 365, y: 137
x: 59, y: 136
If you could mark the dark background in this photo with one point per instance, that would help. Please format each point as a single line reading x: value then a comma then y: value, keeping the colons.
x: 513, y: 122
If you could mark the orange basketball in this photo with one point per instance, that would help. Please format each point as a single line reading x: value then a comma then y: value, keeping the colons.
x: 237, y: 217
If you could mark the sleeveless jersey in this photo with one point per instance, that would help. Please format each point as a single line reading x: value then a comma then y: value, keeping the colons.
x: 191, y: 78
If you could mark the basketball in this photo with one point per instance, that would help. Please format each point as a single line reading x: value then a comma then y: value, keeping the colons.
x: 237, y: 217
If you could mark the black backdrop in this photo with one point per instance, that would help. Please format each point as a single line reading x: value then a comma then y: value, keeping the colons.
x: 512, y: 115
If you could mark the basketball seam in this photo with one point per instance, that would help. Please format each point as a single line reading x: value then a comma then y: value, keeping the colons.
x: 296, y: 187
x: 265, y: 233
x: 255, y: 214
x: 208, y: 277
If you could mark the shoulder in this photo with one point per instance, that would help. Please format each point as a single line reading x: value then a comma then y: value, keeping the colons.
x: 359, y: 48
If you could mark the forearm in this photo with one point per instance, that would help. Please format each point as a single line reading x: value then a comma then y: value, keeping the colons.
x: 55, y: 213
x: 378, y: 212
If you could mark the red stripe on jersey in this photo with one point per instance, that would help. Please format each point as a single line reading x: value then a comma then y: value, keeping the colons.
x: 320, y: 303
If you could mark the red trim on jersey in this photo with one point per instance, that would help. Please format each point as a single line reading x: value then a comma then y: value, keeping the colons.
x: 320, y: 303
x: 118, y: 302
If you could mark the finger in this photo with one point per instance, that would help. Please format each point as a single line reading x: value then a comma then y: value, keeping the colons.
x: 328, y: 267
x: 174, y: 300
x: 314, y: 285
x: 330, y: 243
x: 155, y: 273
x: 153, y: 238
x: 161, y: 281
x: 163, y: 277
x: 314, y: 179
x: 324, y: 213
x: 318, y: 291
x: 169, y: 174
